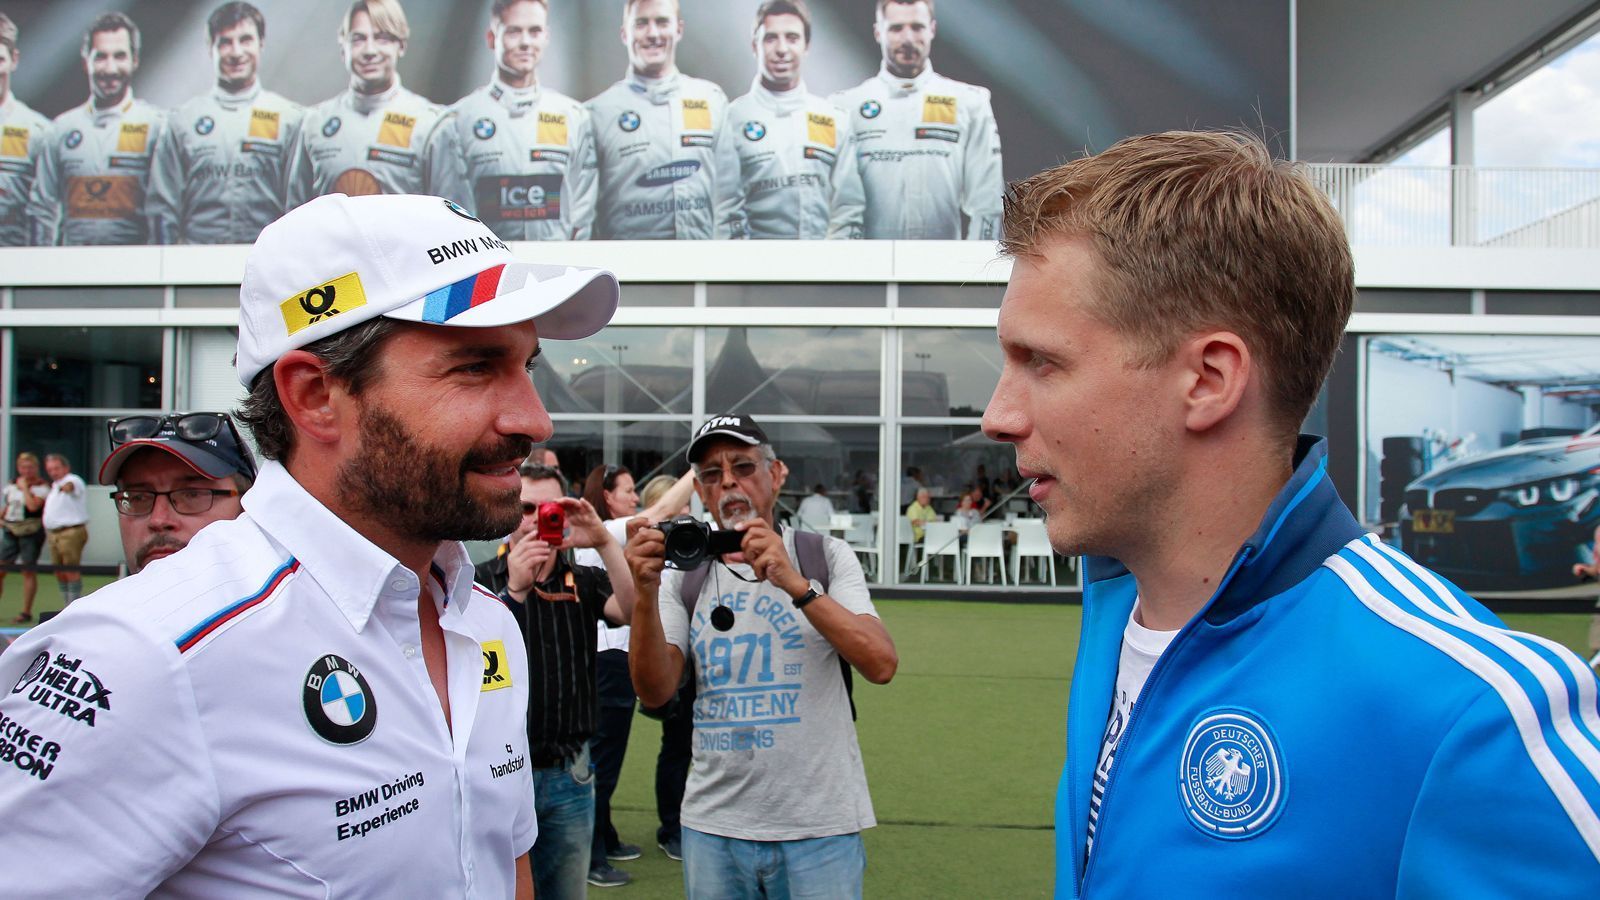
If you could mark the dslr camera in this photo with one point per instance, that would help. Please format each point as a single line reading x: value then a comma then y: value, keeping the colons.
x: 552, y: 523
x: 691, y: 543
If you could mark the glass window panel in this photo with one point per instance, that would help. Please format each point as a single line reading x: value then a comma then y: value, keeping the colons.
x: 115, y: 368
x: 647, y: 448
x: 832, y: 371
x: 619, y: 370
x: 948, y: 371
x: 635, y: 294
x: 841, y: 458
x: 951, y: 296
x: 218, y: 297
x: 947, y: 459
x: 90, y: 298
x: 802, y: 295
x: 81, y: 439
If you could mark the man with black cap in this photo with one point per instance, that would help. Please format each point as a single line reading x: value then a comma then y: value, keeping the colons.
x: 313, y: 700
x: 777, y: 796
x: 174, y: 475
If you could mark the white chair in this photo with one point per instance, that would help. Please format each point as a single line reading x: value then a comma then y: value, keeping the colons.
x: 841, y: 522
x: 1032, y: 543
x: 816, y: 523
x: 942, y: 540
x: 905, y: 546
x: 862, y: 536
x: 987, y: 540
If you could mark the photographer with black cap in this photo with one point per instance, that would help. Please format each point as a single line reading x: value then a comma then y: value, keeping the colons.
x: 777, y: 796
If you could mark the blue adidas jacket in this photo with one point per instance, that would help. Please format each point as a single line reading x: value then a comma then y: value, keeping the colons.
x: 1337, y: 722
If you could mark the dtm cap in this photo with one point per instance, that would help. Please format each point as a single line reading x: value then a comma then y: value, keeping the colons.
x: 338, y: 261
x: 740, y: 428
x: 206, y: 442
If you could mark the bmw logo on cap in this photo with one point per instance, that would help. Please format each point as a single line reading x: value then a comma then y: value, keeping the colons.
x: 870, y: 109
x: 204, y: 124
x: 338, y: 701
x: 628, y: 121
x: 483, y: 129
x: 754, y: 131
x: 460, y: 210
x: 1231, y: 775
x: 331, y: 127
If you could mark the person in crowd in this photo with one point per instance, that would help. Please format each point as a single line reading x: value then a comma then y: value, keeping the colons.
x: 174, y: 475
x: 928, y: 145
x: 23, y: 538
x: 23, y: 133
x: 661, y: 139
x: 775, y: 805
x: 219, y: 177
x: 796, y: 174
x: 312, y: 699
x: 89, y: 187
x: 979, y: 498
x: 66, y: 524
x: 816, y: 510
x: 558, y: 605
x: 967, y: 513
x: 1174, y: 306
x: 862, y: 492
x: 375, y: 137
x: 911, y: 482
x: 612, y: 489
x: 528, y: 150
x: 920, y: 512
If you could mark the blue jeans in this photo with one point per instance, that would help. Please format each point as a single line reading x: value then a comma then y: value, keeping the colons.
x: 721, y: 868
x: 563, y: 800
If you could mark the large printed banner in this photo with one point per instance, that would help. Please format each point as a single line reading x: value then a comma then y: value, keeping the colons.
x: 173, y: 121
x: 1483, y: 457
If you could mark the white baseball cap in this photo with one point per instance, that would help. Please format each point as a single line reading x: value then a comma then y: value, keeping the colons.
x: 339, y: 261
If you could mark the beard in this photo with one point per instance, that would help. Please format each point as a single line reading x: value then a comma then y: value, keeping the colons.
x: 421, y: 491
x: 160, y: 541
x: 728, y: 519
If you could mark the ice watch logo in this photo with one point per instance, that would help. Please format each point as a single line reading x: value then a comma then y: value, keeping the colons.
x: 677, y: 170
x: 324, y: 301
x: 338, y: 701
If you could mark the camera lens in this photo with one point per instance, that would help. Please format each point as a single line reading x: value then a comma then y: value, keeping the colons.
x: 686, y: 546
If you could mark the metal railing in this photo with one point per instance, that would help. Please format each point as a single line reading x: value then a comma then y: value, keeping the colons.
x: 1464, y: 206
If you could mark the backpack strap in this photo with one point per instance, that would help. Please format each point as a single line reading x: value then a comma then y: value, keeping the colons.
x: 811, y: 555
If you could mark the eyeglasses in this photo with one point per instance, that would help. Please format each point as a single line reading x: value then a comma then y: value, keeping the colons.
x: 196, y: 426
x: 711, y: 476
x: 185, y: 501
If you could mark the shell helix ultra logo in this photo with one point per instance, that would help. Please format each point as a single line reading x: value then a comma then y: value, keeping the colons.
x: 1231, y: 775
x: 324, y: 301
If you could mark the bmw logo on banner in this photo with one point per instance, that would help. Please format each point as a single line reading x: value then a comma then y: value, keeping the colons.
x: 74, y: 138
x: 1231, y: 775
x: 338, y: 701
x: 204, y: 124
x: 331, y: 127
x: 870, y: 109
x: 483, y: 129
x: 628, y: 121
x: 754, y: 131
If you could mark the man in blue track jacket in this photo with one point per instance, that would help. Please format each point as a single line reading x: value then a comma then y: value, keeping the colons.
x: 1266, y: 702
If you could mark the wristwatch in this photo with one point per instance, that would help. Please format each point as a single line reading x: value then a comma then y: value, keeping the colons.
x: 815, y: 592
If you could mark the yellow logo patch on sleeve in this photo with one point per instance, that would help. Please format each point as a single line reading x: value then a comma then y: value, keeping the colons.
x: 324, y: 301
x: 14, y: 142
x: 939, y: 108
x: 552, y: 129
x: 264, y: 124
x: 396, y: 129
x: 820, y: 130
x: 696, y: 115
x: 133, y: 138
x: 496, y: 666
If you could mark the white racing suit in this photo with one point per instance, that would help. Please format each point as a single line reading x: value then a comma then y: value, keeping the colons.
x: 529, y: 161
x: 219, y: 177
x: 929, y: 152
x: 659, y: 145
x: 23, y: 134
x: 395, y: 142
x: 92, y: 176
x: 797, y: 174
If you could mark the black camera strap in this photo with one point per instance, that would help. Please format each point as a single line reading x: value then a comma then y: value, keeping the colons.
x: 811, y: 557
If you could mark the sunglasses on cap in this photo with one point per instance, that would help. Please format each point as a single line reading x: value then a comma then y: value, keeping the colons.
x: 193, y: 427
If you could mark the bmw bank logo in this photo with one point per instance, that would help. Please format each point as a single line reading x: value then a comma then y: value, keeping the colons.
x: 74, y: 138
x: 754, y: 131
x: 1231, y: 776
x: 628, y: 121
x: 483, y: 129
x: 331, y: 127
x: 870, y: 109
x: 204, y: 124
x: 338, y: 701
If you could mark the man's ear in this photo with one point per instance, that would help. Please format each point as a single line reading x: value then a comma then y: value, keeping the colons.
x: 310, y: 397
x: 1217, y: 369
x: 780, y: 474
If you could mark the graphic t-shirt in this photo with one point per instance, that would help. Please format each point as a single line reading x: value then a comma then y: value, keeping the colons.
x: 1141, y: 647
x: 775, y: 751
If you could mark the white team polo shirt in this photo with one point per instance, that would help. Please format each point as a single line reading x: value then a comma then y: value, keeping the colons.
x: 66, y: 505
x: 252, y: 717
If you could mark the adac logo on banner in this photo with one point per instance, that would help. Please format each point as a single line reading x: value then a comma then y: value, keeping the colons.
x: 324, y: 301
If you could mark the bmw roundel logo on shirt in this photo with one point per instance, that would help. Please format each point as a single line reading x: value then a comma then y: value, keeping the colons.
x: 754, y: 131
x: 870, y: 109
x: 203, y: 125
x: 331, y: 127
x: 338, y: 701
x: 483, y: 129
x: 628, y: 121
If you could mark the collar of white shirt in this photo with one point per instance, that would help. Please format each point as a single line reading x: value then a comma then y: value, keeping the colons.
x: 354, y: 572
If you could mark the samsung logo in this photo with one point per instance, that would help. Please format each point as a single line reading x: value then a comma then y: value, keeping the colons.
x: 667, y: 174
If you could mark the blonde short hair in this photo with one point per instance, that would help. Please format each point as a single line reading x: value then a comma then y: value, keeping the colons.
x: 387, y: 16
x: 1197, y: 230
x: 654, y: 489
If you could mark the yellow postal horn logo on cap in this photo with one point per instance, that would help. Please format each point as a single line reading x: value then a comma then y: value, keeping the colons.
x: 324, y: 301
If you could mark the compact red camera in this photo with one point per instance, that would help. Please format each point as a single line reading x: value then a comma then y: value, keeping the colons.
x: 552, y: 523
